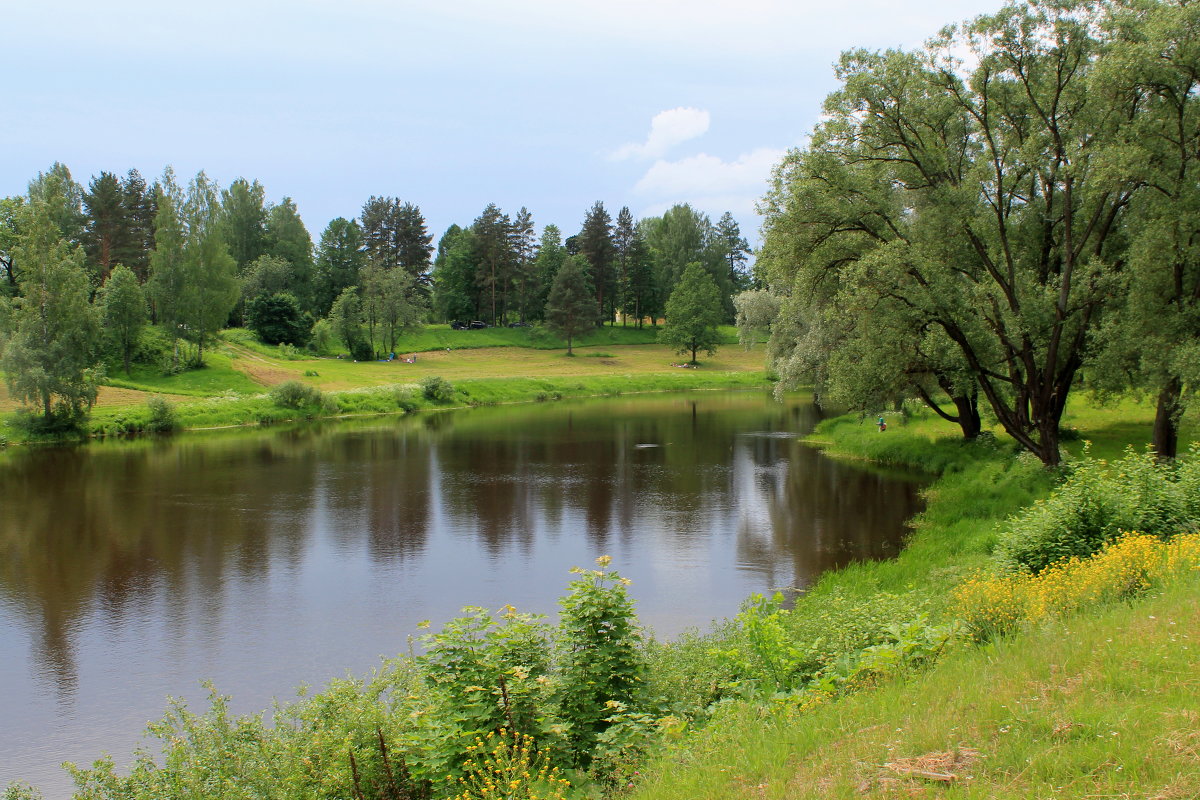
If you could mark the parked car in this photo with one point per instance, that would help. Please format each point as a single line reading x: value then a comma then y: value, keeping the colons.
x: 459, y: 326
x: 518, y: 325
x: 477, y: 324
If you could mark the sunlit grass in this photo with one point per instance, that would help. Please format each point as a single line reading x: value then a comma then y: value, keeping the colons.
x: 1102, y: 705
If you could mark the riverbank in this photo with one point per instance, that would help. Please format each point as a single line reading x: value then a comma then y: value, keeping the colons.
x: 486, y: 367
x: 1095, y: 704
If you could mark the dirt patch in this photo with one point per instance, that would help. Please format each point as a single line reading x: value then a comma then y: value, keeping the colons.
x: 259, y: 369
x: 108, y: 396
x: 909, y: 776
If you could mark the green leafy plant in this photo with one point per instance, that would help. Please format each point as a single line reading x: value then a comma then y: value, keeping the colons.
x: 600, y: 659
x: 294, y: 394
x: 163, y: 418
x: 437, y: 389
x: 1097, y: 503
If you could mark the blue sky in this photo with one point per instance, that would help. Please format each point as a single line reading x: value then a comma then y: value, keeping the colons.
x: 550, y: 104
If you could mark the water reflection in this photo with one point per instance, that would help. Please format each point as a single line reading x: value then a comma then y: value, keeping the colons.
x: 128, y: 571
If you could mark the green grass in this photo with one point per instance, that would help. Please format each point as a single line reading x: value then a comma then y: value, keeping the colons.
x: 1120, y: 670
x: 1103, y: 705
x: 441, y: 337
x: 216, y: 377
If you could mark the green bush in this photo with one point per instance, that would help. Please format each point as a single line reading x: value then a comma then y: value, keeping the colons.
x: 600, y: 658
x: 1097, y: 503
x: 163, y: 418
x: 437, y: 390
x: 294, y: 394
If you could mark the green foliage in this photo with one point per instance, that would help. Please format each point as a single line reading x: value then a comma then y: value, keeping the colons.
x: 277, y: 319
x: 1098, y: 502
x: 571, y: 305
x: 437, y: 389
x: 163, y: 418
x: 484, y: 674
x: 693, y: 314
x: 51, y: 356
x: 295, y: 394
x: 123, y: 307
x: 600, y: 661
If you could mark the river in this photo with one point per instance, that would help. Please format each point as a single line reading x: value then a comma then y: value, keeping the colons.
x: 259, y: 560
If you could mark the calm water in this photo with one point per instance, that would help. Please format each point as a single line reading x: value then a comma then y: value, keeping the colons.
x: 132, y: 571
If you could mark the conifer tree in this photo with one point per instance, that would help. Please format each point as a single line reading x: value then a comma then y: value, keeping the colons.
x: 596, y: 246
x: 571, y: 305
x: 104, y: 223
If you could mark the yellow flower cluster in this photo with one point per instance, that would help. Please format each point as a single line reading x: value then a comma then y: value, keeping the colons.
x: 993, y: 605
x: 507, y: 766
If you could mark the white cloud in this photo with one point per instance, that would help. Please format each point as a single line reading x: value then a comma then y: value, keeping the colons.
x: 667, y: 129
x: 703, y: 175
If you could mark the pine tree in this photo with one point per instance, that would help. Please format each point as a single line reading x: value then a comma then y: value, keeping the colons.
x: 134, y: 247
x: 104, y: 223
x: 493, y: 258
x: 571, y: 306
x: 524, y: 250
x: 340, y: 258
x: 734, y: 249
x: 596, y: 245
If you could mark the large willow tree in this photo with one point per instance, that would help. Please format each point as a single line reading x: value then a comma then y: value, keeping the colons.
x: 953, y: 219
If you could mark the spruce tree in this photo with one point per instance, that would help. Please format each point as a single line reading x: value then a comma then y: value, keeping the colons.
x: 340, y: 258
x: 571, y: 306
x: 596, y: 245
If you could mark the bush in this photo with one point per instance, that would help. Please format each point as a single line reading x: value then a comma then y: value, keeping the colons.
x: 405, y: 400
x: 163, y: 418
x: 437, y: 390
x: 995, y: 605
x: 600, y: 657
x: 1097, y: 503
x: 277, y: 318
x: 294, y: 394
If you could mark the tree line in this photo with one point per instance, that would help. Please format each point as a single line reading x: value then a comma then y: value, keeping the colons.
x: 994, y: 219
x: 85, y: 272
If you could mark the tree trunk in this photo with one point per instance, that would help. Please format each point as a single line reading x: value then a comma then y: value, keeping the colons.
x: 968, y: 415
x: 1166, y: 420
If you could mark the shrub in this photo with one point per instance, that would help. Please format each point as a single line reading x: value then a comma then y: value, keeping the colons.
x: 994, y: 605
x: 1097, y: 502
x: 163, y: 418
x: 600, y: 657
x: 294, y: 394
x: 405, y: 400
x: 277, y: 318
x: 437, y: 390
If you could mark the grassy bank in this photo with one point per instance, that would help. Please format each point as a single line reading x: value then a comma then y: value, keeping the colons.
x: 488, y: 366
x: 1101, y: 703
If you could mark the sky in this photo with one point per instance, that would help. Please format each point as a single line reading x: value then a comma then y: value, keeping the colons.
x: 548, y: 104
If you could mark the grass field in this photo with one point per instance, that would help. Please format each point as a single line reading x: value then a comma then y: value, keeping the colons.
x: 486, y: 366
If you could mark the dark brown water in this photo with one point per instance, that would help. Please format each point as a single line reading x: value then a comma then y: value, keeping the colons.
x: 132, y: 571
